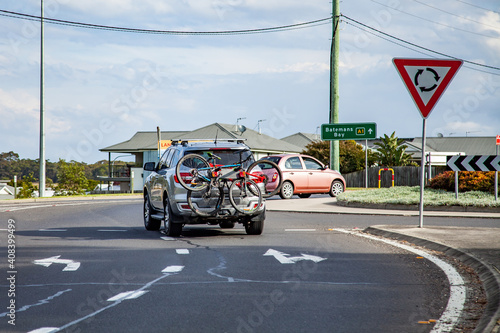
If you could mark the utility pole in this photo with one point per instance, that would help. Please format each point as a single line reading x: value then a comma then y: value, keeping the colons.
x: 41, y: 187
x: 334, y: 84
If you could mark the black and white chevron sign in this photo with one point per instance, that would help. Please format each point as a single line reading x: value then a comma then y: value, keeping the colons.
x: 473, y: 163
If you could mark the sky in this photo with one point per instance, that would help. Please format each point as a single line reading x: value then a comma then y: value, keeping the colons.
x: 102, y: 86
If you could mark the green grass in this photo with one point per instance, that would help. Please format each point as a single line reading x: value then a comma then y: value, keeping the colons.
x: 404, y: 195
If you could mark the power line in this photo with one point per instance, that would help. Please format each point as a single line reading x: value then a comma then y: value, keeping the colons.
x: 470, y: 4
x: 166, y: 32
x: 438, y: 23
x: 459, y: 16
x: 412, y: 49
x: 418, y: 46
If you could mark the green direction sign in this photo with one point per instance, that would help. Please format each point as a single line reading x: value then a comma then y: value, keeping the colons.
x: 353, y: 131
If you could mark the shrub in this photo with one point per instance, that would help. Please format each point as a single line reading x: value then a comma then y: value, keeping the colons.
x: 467, y: 181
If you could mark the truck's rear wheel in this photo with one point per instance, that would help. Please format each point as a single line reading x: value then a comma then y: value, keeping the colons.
x: 171, y: 229
x: 255, y: 225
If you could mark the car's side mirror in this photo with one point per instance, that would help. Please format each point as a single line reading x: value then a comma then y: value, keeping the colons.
x: 150, y: 166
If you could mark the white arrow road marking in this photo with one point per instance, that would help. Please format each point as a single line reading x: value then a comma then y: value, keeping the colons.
x: 284, y: 259
x: 70, y: 264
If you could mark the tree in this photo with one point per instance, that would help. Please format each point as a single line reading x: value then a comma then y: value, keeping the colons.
x: 9, y: 165
x: 319, y: 150
x: 352, y: 155
x: 71, y: 177
x: 392, y: 151
x: 26, y: 187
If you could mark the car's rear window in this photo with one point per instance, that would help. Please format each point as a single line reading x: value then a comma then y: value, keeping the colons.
x: 275, y: 159
x: 227, y: 156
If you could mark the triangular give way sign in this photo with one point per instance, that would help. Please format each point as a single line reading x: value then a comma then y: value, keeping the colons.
x: 426, y: 79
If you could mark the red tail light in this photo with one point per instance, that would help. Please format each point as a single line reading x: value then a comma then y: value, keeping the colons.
x: 275, y: 176
x: 186, y: 176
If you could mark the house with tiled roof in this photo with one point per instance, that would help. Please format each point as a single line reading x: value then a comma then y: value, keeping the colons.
x: 144, y: 146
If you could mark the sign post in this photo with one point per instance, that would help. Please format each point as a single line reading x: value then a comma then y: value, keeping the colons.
x: 366, y: 163
x: 426, y: 80
x: 496, y: 173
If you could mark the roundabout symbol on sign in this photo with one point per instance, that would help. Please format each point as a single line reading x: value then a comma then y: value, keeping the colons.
x: 436, y: 78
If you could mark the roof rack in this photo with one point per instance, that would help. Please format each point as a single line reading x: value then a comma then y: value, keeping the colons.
x: 184, y: 142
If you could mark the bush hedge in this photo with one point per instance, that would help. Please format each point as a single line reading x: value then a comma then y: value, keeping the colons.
x: 467, y: 181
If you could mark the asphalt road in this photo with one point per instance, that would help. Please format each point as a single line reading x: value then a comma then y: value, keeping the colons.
x: 92, y: 267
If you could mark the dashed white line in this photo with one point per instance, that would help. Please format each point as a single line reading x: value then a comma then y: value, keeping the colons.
x: 172, y: 269
x: 55, y: 230
x: 182, y: 251
x: 127, y: 295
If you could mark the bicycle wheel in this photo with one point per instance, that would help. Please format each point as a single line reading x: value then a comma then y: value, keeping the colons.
x: 245, y: 196
x: 206, y: 202
x: 268, y: 173
x: 193, y: 172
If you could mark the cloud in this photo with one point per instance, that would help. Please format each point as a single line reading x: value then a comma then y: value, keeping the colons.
x: 491, y: 25
x: 464, y: 128
x: 304, y: 67
x: 115, y: 8
x: 362, y: 63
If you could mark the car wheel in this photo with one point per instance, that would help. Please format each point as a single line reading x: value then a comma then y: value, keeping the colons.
x: 286, y: 191
x: 337, y: 188
x: 171, y: 229
x: 255, y: 225
x: 149, y: 223
x: 304, y: 195
x: 226, y: 224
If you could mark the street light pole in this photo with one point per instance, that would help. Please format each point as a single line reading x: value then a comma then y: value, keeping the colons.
x: 42, y: 116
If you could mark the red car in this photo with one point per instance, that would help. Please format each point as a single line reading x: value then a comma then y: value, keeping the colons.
x: 304, y: 175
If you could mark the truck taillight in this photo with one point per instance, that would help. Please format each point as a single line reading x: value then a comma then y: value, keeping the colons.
x: 187, y: 177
